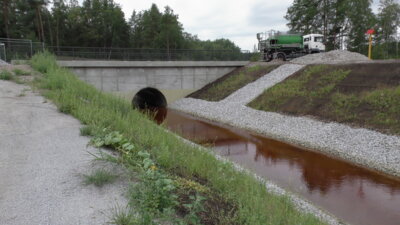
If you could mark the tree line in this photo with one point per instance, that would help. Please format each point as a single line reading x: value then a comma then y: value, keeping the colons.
x: 346, y: 21
x: 99, y: 23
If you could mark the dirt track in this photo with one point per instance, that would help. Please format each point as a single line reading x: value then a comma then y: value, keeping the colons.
x: 42, y: 159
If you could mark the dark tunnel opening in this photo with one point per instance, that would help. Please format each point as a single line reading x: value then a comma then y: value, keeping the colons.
x: 151, y: 101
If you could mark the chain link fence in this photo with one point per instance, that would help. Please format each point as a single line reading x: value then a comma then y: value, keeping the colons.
x: 19, y: 48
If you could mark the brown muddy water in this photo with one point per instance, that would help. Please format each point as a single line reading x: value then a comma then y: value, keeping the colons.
x: 353, y: 194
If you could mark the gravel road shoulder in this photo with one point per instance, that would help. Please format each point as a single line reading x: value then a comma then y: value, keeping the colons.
x: 42, y: 160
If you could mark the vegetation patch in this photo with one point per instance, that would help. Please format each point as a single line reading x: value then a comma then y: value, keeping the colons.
x: 5, y: 75
x: 20, y: 72
x: 231, y: 82
x: 363, y: 95
x: 177, y: 180
x: 12, y: 76
x: 99, y: 177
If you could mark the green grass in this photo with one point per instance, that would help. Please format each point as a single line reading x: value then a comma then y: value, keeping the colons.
x: 273, y: 98
x: 314, y: 92
x: 99, y: 177
x: 19, y: 72
x: 94, y: 108
x: 5, y: 75
x: 220, y: 90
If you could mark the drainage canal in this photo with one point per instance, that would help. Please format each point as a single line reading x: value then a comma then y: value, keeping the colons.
x: 152, y: 102
x: 353, y: 194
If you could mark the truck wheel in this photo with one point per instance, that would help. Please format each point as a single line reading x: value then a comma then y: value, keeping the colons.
x: 281, y: 56
x: 269, y: 57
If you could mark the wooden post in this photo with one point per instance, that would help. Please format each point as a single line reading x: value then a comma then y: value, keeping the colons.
x: 370, y: 32
x: 370, y: 47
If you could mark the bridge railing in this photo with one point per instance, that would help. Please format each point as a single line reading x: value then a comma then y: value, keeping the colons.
x: 139, y: 54
x: 25, y: 48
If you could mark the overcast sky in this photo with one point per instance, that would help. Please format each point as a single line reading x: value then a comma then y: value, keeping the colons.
x: 237, y: 20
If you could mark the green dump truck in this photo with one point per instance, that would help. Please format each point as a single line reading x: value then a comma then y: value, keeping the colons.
x: 277, y: 45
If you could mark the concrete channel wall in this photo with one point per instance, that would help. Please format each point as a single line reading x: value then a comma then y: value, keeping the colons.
x: 129, y: 76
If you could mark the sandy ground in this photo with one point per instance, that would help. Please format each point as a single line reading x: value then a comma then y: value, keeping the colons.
x: 42, y: 159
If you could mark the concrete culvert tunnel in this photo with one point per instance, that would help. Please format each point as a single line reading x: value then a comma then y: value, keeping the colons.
x: 152, y: 102
x: 149, y: 98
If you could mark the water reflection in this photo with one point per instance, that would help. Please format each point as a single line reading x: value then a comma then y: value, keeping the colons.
x: 357, y: 195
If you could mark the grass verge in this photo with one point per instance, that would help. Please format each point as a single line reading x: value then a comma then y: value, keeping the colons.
x: 346, y: 94
x: 165, y: 159
x: 228, y: 84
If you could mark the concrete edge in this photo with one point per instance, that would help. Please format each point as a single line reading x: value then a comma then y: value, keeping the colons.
x: 133, y: 64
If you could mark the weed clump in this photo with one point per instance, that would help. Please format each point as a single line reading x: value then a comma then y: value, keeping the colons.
x: 5, y: 75
x: 19, y: 72
x: 99, y: 178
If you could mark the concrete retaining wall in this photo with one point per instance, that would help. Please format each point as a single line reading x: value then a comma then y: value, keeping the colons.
x: 126, y: 76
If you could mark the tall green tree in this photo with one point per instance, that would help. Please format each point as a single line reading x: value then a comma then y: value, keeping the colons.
x: 150, y: 27
x: 170, y: 35
x: 303, y: 16
x: 38, y: 5
x: 60, y: 20
x: 6, y: 17
x: 105, y: 24
x: 388, y: 19
x: 360, y: 20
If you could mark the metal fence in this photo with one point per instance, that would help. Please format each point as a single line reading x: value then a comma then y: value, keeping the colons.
x: 136, y: 54
x: 19, y: 48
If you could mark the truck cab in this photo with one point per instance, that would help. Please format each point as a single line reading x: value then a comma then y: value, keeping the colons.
x: 313, y: 43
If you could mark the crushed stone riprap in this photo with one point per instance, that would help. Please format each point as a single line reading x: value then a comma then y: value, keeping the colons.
x: 331, y: 57
x: 253, y: 90
x: 362, y: 146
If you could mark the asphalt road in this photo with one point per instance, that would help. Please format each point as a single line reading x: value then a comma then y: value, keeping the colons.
x: 42, y: 159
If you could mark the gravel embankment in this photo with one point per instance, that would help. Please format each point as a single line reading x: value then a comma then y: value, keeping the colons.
x: 331, y: 57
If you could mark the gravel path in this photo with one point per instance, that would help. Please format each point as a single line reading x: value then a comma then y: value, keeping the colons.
x: 254, y: 89
x: 362, y: 146
x: 42, y: 159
